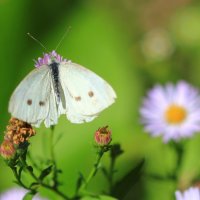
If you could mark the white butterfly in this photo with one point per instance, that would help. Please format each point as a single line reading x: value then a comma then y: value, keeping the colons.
x: 56, y: 87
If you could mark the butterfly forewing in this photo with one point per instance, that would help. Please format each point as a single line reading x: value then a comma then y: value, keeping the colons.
x: 34, y: 100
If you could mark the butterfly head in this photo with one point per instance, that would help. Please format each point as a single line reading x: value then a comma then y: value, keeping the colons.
x: 49, y: 58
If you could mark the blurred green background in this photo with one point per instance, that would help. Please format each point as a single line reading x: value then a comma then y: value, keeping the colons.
x: 132, y: 44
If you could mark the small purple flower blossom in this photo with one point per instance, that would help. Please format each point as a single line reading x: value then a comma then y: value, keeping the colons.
x: 172, y: 111
x: 192, y: 193
x: 48, y: 58
x: 17, y: 194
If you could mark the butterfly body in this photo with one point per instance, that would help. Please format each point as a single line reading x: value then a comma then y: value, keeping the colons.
x: 58, y: 87
x: 54, y: 67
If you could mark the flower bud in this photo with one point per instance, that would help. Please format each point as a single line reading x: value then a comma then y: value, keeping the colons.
x: 102, y: 136
x: 7, y: 149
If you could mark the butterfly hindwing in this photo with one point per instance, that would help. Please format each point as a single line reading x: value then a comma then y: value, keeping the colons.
x: 86, y: 94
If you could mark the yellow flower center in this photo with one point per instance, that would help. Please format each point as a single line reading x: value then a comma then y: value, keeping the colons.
x: 175, y: 114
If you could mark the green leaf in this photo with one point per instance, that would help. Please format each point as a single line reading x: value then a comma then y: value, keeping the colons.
x: 116, y: 151
x: 45, y: 172
x: 79, y: 182
x: 29, y: 195
x: 105, y: 172
x: 34, y: 185
x: 16, y: 182
x: 29, y: 168
x: 104, y: 197
x: 101, y: 197
x: 121, y: 189
x: 20, y: 172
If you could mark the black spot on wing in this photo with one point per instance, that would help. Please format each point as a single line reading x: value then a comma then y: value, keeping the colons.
x: 41, y: 103
x: 78, y: 98
x: 91, y: 94
x: 29, y: 102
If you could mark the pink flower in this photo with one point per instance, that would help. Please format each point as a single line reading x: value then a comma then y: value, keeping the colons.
x: 102, y: 136
x: 7, y: 149
x: 48, y: 58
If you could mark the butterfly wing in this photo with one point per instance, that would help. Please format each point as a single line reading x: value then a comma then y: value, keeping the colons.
x: 86, y: 94
x: 34, y: 99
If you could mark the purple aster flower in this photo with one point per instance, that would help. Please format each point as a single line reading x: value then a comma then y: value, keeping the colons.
x: 192, y: 193
x: 172, y: 111
x: 17, y: 194
x: 48, y: 57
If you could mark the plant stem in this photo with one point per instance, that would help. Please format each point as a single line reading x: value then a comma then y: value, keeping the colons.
x: 179, y: 150
x: 18, y: 179
x: 94, y: 169
x: 55, y: 190
x: 25, y: 165
x: 51, y: 144
x: 55, y: 169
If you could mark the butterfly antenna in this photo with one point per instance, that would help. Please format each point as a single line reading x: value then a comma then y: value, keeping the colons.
x: 63, y: 37
x: 40, y: 43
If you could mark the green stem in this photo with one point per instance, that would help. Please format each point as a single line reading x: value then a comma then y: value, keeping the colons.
x: 94, y: 170
x: 179, y: 150
x: 55, y: 190
x: 25, y: 165
x: 55, y: 175
x: 18, y: 178
x: 51, y: 144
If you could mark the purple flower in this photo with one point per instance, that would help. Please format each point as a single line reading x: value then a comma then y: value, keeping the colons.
x: 172, y: 111
x: 192, y: 193
x: 48, y: 58
x: 17, y: 194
